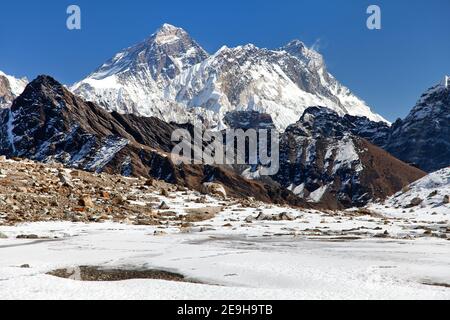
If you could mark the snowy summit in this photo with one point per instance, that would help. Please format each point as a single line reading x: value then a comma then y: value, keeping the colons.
x: 170, y: 71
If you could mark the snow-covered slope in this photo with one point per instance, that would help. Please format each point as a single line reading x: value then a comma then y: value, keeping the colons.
x: 170, y: 76
x: 282, y: 83
x: 10, y: 88
x: 428, y: 196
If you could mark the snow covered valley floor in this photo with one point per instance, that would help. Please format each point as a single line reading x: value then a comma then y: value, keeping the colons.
x: 166, y: 242
x: 227, y: 265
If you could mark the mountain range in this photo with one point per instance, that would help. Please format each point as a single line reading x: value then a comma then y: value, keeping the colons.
x: 334, y: 151
x: 171, y: 77
x: 47, y: 123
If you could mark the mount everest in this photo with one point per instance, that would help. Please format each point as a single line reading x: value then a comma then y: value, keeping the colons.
x: 171, y: 77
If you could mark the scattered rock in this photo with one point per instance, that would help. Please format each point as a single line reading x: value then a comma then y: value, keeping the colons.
x: 214, y: 189
x: 415, y: 202
x: 86, y: 201
x: 65, y: 179
x: 285, y: 216
x: 262, y: 217
x: 75, y: 173
x: 447, y: 199
x: 25, y: 266
x: 433, y: 194
x: 201, y: 214
x: 28, y: 236
x: 164, y: 206
x: 105, y: 195
x: 249, y: 219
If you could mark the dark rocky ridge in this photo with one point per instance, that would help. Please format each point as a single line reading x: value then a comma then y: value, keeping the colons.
x: 423, y: 137
x: 332, y: 160
x: 324, y: 158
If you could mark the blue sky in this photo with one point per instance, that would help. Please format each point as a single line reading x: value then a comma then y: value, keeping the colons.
x: 389, y: 68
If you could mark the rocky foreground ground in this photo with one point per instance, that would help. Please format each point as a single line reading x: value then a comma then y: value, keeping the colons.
x: 36, y: 192
x: 32, y: 192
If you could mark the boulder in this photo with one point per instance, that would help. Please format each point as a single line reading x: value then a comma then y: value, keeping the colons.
x: 415, y: 202
x: 284, y: 216
x: 164, y: 206
x: 249, y: 219
x: 86, y: 201
x: 447, y: 199
x: 214, y: 189
x: 65, y: 179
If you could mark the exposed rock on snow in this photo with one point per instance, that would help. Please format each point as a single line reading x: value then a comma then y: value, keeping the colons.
x: 214, y: 189
x: 426, y: 197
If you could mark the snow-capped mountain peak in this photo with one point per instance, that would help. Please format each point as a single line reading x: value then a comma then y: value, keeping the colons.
x: 10, y: 88
x: 170, y: 76
x: 165, y: 53
x: 168, y: 34
x: 133, y: 81
x: 309, y: 56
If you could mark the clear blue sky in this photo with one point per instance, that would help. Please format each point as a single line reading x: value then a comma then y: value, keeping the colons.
x: 388, y: 68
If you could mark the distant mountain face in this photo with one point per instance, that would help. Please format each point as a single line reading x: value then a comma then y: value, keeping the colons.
x: 48, y: 123
x: 10, y: 88
x: 325, y: 159
x: 423, y: 137
x: 133, y: 81
x: 329, y: 159
x: 171, y: 77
